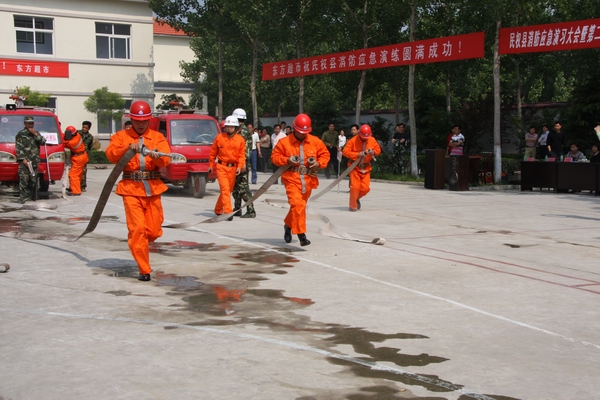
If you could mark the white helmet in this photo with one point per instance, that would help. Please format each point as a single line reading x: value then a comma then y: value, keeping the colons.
x: 239, y: 113
x: 231, y: 121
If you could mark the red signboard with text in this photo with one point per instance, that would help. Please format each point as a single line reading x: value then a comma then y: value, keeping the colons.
x: 448, y: 48
x: 43, y: 68
x: 572, y: 35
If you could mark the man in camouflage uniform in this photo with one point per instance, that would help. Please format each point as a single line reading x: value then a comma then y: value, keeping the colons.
x: 88, y: 141
x: 27, y: 144
x: 241, y: 190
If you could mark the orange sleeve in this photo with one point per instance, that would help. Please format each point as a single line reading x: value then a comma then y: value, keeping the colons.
x: 323, y: 155
x: 350, y: 149
x: 116, y: 148
x: 214, y: 151
x: 280, y: 156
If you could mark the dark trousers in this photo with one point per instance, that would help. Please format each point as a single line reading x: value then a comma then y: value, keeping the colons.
x: 264, y: 160
x: 332, y: 162
x: 254, y: 163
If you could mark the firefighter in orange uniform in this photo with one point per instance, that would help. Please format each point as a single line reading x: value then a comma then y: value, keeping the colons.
x: 365, y: 147
x: 141, y: 186
x: 306, y: 154
x: 227, y: 157
x: 79, y: 158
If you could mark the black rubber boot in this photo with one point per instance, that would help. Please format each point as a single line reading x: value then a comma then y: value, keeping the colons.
x: 144, y: 277
x: 287, y: 234
x: 303, y: 240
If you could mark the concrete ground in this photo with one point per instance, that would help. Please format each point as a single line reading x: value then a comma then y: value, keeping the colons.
x: 474, y: 295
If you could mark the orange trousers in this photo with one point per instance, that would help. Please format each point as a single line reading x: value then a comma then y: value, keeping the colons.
x: 76, y: 172
x: 226, y: 179
x: 360, y: 185
x: 144, y: 223
x: 296, y: 216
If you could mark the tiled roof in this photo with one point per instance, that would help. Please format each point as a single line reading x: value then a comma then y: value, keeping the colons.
x: 165, y: 29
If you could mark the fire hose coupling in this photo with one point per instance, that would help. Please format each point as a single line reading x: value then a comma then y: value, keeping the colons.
x: 146, y: 152
x: 295, y: 159
x: 311, y: 160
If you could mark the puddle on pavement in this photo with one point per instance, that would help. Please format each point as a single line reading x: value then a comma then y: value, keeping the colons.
x: 167, y: 248
x: 232, y: 296
x: 239, y: 301
x: 50, y: 225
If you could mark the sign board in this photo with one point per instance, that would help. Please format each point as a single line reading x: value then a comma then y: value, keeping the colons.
x: 51, y: 138
x: 39, y: 68
x: 550, y: 37
x: 448, y: 48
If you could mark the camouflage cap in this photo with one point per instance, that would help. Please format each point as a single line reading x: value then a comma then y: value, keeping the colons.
x: 28, y: 119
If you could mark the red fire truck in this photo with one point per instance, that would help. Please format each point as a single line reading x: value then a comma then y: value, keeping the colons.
x: 52, y: 154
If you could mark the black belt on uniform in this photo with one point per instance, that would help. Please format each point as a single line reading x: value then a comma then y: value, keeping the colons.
x: 302, y: 170
x: 226, y: 164
x: 138, y: 176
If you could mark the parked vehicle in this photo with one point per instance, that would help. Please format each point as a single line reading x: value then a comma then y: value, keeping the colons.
x: 52, y: 154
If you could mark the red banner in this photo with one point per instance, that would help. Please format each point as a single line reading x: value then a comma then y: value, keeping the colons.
x: 550, y: 37
x: 448, y: 48
x: 34, y: 68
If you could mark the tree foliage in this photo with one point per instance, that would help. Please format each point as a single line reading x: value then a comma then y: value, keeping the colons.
x: 251, y: 33
x: 107, y: 105
x: 33, y: 98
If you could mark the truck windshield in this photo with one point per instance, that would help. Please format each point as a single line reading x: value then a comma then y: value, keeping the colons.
x: 193, y: 131
x: 10, y: 125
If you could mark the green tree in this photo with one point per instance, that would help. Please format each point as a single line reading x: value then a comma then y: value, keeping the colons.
x: 107, y: 105
x: 33, y: 98
x: 167, y: 99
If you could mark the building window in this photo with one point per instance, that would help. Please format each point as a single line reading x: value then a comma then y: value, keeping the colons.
x: 112, y: 41
x: 34, y: 34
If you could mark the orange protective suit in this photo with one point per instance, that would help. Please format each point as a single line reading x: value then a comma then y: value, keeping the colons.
x: 298, y: 187
x: 360, y: 176
x: 79, y: 158
x: 143, y: 208
x: 231, y: 154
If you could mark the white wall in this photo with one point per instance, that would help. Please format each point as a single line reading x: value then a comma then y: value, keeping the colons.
x: 75, y: 43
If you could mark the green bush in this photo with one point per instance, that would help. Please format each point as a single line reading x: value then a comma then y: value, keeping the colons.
x: 98, y: 157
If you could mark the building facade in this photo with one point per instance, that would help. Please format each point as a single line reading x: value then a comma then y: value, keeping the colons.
x: 69, y: 48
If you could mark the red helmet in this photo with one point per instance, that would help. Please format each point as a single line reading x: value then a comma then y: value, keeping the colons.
x: 302, y: 123
x: 365, y: 131
x: 222, y: 125
x: 71, y: 129
x: 140, y: 111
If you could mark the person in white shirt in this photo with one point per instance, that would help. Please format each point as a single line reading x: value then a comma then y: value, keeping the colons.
x: 279, y: 134
x: 543, y: 142
x: 341, y: 144
x: 254, y: 154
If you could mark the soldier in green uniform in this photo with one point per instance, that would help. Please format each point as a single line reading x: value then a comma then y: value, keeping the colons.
x: 241, y: 190
x: 88, y: 141
x: 27, y: 146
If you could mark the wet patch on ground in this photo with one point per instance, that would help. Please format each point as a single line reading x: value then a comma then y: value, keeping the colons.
x: 119, y: 292
x: 229, y: 294
x: 50, y: 226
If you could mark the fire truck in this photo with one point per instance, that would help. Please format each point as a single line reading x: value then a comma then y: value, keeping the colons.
x: 52, y: 154
x: 190, y: 135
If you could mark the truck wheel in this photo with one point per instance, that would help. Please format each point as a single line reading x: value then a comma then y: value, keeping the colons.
x: 43, y: 185
x: 198, y: 185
